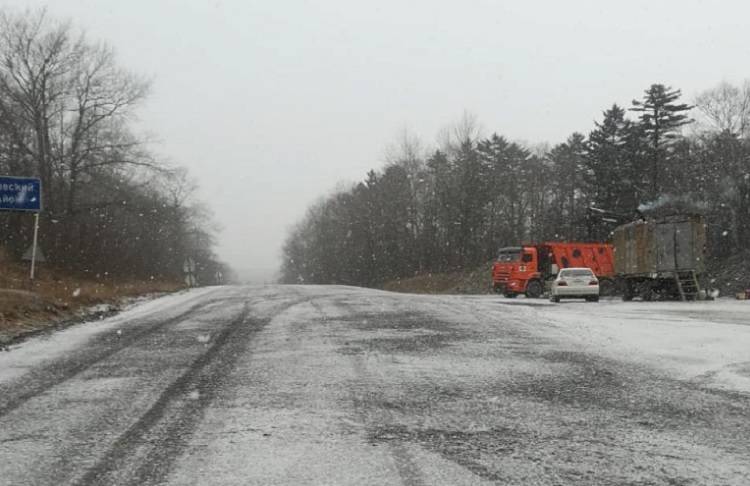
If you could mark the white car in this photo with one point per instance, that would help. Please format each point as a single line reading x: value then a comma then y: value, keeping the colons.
x: 576, y: 283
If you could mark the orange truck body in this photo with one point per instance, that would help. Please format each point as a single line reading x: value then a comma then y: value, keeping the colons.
x: 526, y: 269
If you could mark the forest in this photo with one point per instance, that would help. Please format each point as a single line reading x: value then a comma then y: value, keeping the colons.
x: 452, y: 206
x: 111, y: 205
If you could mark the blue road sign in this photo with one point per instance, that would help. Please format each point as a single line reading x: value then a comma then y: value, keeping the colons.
x: 20, y: 194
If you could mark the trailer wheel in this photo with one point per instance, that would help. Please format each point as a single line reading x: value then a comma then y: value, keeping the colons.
x: 607, y: 287
x: 627, y: 291
x: 649, y: 294
x: 534, y: 289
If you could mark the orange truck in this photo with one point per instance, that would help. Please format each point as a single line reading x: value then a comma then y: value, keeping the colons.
x: 527, y: 269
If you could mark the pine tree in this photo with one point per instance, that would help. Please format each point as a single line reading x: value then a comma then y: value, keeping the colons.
x: 569, y: 188
x: 660, y: 118
x: 611, y: 173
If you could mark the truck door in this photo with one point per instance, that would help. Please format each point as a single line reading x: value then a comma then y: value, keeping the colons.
x: 529, y: 260
x: 544, y: 260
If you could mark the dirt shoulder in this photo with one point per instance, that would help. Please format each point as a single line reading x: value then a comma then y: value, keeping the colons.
x: 57, y: 299
x: 466, y: 281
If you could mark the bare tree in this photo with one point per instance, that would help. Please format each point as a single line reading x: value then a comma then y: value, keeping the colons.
x: 727, y: 107
x: 466, y: 130
x: 65, y: 113
x: 407, y: 151
x: 62, y: 101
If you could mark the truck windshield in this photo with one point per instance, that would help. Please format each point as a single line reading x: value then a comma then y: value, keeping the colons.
x: 513, y: 255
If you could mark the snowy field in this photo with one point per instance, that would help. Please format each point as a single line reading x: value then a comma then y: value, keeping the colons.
x: 339, y: 385
x: 708, y: 342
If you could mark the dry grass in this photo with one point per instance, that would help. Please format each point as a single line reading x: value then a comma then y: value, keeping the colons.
x: 56, y: 296
x: 472, y: 281
x: 429, y: 283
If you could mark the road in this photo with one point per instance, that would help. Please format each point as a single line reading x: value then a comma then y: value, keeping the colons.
x: 338, y: 385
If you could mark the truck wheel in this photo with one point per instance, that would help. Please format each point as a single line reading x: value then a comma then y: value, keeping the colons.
x: 534, y: 289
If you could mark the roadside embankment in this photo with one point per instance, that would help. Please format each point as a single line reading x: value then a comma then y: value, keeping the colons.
x: 57, y: 298
x: 468, y: 281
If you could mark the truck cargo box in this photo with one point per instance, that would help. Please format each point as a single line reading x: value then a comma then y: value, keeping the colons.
x: 655, y: 246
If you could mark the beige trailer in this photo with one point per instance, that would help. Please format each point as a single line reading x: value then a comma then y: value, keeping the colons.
x: 661, y: 258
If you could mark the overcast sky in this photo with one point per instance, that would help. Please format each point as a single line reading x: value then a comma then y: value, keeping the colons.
x: 271, y: 103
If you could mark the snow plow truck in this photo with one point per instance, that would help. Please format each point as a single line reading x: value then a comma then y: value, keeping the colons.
x: 529, y: 269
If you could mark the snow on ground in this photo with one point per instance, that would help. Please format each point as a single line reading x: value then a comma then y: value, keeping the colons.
x: 706, y: 342
x: 19, y: 358
x: 340, y: 385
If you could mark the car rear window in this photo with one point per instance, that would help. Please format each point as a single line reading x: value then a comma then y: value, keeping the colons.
x: 578, y: 272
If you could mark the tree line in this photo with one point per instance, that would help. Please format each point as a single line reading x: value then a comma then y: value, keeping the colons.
x: 453, y: 206
x: 110, y: 205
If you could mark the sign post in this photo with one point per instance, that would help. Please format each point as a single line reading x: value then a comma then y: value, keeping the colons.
x: 23, y: 194
x: 33, y: 245
x: 189, y: 268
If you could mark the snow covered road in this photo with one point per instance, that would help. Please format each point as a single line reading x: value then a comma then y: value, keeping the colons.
x: 339, y: 385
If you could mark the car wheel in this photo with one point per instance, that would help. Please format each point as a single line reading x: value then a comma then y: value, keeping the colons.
x: 593, y: 298
x: 555, y: 299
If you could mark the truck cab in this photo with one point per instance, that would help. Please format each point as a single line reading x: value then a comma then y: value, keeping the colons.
x: 516, y: 271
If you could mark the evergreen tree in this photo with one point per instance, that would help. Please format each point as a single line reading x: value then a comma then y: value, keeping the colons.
x: 569, y: 188
x: 463, y: 203
x: 615, y: 169
x: 660, y: 119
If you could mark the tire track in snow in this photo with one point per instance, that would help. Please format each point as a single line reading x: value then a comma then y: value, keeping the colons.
x: 406, y: 465
x: 17, y: 392
x: 144, y: 452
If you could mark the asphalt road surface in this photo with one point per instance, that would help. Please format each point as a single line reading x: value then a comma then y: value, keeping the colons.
x: 337, y: 385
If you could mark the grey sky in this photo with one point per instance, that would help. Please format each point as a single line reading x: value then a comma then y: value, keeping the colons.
x: 270, y: 103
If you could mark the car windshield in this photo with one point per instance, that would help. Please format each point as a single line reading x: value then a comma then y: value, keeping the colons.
x: 577, y: 272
